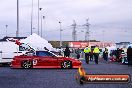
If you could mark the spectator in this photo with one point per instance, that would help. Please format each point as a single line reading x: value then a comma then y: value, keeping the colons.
x: 117, y: 54
x: 67, y: 52
x: 105, y: 54
x: 129, y: 56
x: 87, y: 51
x: 91, y: 55
x: 78, y: 53
x: 96, y: 52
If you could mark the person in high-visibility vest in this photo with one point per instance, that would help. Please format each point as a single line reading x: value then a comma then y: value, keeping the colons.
x: 87, y: 51
x: 96, y: 52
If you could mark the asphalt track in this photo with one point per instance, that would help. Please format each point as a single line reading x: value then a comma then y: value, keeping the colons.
x: 60, y: 78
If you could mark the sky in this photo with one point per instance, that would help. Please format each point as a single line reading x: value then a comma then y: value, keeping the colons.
x: 110, y: 20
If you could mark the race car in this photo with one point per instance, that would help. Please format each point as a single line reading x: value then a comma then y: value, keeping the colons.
x: 44, y: 59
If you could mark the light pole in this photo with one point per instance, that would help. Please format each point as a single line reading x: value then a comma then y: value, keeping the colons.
x: 32, y: 18
x: 17, y: 32
x: 42, y: 17
x: 33, y: 29
x: 6, y: 29
x: 38, y: 17
x: 103, y: 38
x: 60, y: 35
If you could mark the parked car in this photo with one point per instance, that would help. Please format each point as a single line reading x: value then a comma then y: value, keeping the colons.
x: 44, y: 59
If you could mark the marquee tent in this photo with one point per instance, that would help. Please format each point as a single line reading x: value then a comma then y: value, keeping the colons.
x: 37, y: 42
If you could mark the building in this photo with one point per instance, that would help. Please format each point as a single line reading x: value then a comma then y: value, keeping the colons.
x: 81, y: 44
x: 122, y: 44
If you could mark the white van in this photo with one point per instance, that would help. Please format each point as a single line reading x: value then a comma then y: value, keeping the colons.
x: 9, y: 49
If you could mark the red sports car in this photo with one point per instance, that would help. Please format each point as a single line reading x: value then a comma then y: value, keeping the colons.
x: 44, y: 59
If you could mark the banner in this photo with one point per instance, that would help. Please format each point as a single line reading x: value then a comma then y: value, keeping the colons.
x: 84, y: 44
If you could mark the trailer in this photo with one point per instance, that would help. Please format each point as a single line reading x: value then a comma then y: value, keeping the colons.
x: 10, y: 49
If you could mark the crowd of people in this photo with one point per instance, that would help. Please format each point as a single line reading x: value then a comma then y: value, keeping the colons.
x: 117, y: 54
x: 92, y: 54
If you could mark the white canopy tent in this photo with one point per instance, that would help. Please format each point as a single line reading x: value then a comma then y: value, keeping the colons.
x: 37, y: 42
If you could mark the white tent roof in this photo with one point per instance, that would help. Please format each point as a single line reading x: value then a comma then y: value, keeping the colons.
x: 37, y: 42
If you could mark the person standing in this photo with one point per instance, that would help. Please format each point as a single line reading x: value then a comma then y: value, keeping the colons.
x: 105, y: 54
x: 117, y: 54
x: 87, y: 51
x: 77, y: 53
x: 96, y: 52
x: 129, y: 56
x: 91, y: 55
x: 67, y: 52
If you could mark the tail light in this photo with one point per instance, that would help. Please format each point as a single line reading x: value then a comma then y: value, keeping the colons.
x: 13, y: 58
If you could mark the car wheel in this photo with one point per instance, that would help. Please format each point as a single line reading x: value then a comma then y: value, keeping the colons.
x: 66, y: 64
x: 26, y: 64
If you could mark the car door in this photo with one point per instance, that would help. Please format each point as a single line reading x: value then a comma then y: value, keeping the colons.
x: 47, y: 60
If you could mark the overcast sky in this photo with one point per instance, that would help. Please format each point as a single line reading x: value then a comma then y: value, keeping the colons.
x: 110, y: 20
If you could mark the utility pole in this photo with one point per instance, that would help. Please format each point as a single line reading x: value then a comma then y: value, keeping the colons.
x: 17, y: 32
x: 32, y: 18
x: 74, y: 35
x: 38, y: 17
x: 87, y: 34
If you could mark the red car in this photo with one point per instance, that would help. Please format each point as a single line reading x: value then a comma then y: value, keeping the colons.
x: 44, y: 59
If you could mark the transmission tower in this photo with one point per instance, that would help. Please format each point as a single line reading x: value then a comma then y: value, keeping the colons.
x: 74, y: 35
x: 87, y: 34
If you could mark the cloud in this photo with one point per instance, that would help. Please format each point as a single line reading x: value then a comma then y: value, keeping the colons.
x: 109, y: 15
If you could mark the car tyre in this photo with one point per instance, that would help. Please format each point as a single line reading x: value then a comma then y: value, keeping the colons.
x: 26, y: 64
x: 66, y: 65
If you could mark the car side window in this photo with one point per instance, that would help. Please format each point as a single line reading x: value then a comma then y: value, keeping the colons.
x: 21, y: 48
x: 43, y: 53
x: 24, y: 47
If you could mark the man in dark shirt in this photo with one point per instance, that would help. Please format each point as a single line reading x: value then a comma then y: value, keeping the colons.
x: 67, y: 52
x: 129, y: 56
